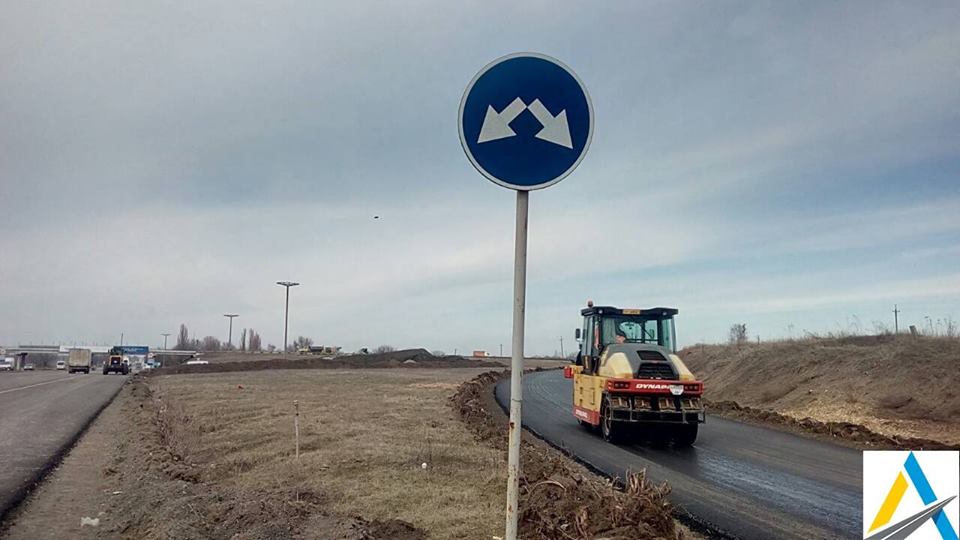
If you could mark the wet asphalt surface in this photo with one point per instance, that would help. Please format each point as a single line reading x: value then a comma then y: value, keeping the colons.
x: 41, y: 413
x: 738, y: 480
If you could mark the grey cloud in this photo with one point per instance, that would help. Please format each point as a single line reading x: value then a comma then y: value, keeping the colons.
x: 226, y: 145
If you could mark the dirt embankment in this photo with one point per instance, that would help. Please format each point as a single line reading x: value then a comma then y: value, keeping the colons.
x: 410, y: 358
x: 868, y: 391
x: 559, y: 499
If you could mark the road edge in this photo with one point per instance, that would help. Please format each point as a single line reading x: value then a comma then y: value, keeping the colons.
x: 690, y: 521
x: 28, y: 487
x: 588, y: 503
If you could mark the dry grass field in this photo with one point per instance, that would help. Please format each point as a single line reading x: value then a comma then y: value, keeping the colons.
x: 364, y: 437
x: 398, y: 454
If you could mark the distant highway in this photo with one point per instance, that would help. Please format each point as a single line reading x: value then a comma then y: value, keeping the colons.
x: 41, y: 413
x: 741, y: 480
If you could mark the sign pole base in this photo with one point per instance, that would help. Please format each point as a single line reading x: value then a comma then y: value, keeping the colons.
x: 516, y: 364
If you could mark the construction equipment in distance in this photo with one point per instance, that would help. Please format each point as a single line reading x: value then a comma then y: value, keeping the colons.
x: 116, y: 362
x: 627, y: 377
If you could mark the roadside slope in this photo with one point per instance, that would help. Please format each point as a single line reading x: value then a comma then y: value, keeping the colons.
x: 42, y: 416
x: 903, y: 387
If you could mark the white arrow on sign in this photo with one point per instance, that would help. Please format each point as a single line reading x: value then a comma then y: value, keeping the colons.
x: 555, y: 128
x: 496, y: 125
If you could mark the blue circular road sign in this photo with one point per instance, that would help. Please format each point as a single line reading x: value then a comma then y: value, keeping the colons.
x: 526, y: 121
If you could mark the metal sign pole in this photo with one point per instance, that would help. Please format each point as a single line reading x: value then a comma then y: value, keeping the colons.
x: 516, y: 363
x: 556, y: 98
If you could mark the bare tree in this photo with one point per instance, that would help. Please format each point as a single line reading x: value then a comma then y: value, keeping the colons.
x: 302, y: 342
x: 738, y: 333
x: 243, y: 340
x: 254, y: 344
x: 183, y: 338
x: 210, y: 344
x: 271, y: 347
x: 384, y: 349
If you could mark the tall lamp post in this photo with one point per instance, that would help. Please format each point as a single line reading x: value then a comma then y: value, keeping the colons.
x: 286, y: 311
x: 165, y: 336
x: 230, y: 334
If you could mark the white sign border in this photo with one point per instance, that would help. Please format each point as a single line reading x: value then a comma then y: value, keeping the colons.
x: 466, y: 147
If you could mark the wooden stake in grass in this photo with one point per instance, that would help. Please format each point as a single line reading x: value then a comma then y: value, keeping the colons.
x: 296, y: 425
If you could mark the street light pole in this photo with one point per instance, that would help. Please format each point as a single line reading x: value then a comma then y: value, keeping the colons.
x: 230, y: 334
x: 165, y: 340
x: 286, y: 311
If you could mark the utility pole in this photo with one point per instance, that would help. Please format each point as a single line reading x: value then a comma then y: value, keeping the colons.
x: 165, y: 336
x: 121, y: 339
x: 561, y: 347
x: 230, y: 334
x: 286, y: 311
x: 896, y: 321
x: 501, y: 350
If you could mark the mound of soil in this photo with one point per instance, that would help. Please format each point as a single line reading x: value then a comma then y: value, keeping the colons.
x: 847, y: 432
x: 558, y: 500
x: 884, y: 391
x: 409, y: 358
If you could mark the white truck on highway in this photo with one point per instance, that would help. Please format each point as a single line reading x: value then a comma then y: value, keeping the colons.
x: 79, y: 360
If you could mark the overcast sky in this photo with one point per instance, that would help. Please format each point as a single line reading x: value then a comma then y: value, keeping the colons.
x: 792, y: 166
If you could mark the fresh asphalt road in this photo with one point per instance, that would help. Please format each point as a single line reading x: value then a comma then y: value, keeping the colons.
x: 40, y: 413
x: 739, y: 480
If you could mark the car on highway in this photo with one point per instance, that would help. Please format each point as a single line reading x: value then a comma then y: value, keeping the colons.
x: 28, y: 367
x: 61, y: 364
x: 197, y: 362
x: 6, y: 364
